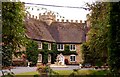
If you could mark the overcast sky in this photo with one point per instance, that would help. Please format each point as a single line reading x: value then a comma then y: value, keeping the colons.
x: 68, y: 13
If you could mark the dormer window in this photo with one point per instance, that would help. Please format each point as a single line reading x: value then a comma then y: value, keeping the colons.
x: 72, y: 47
x: 40, y: 45
x: 49, y: 46
x: 60, y: 47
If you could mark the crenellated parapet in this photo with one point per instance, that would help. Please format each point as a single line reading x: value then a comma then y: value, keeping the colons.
x: 70, y: 21
x: 49, y: 17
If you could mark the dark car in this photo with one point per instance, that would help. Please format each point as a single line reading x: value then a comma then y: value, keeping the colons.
x: 87, y: 65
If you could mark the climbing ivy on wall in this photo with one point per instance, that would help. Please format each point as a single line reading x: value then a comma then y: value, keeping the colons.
x: 67, y: 51
x: 32, y: 52
x: 53, y: 52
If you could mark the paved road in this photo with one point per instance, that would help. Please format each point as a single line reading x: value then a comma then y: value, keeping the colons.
x: 18, y: 70
x: 71, y: 67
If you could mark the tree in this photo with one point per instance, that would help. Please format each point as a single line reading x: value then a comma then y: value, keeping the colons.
x: 13, y: 31
x: 114, y: 36
x: 104, y: 34
x: 96, y: 46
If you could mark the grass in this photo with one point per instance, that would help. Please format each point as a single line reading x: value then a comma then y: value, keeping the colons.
x: 83, y: 72
x: 27, y: 74
x: 67, y: 72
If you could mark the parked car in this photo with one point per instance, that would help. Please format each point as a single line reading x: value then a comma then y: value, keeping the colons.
x: 87, y: 65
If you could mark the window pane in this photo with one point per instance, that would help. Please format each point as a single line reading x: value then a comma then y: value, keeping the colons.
x: 61, y: 46
x: 40, y: 46
x: 49, y: 46
x: 70, y: 47
x: 72, y: 58
x: 73, y: 47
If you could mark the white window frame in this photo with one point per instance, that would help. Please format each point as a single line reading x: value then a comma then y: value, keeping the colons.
x: 70, y: 58
x: 49, y: 58
x: 49, y: 46
x: 60, y: 47
x: 71, y: 47
x: 39, y: 58
x: 40, y: 45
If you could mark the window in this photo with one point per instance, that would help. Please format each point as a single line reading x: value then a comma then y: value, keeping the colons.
x: 60, y: 47
x: 72, y: 58
x: 39, y: 58
x: 72, y: 47
x: 40, y: 45
x: 49, y: 58
x: 49, y: 46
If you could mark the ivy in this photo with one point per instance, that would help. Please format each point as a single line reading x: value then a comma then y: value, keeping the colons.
x: 67, y: 51
x: 32, y: 52
x: 54, y: 52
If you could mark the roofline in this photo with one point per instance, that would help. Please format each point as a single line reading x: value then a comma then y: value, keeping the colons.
x: 43, y: 40
x: 69, y: 42
x: 58, y: 42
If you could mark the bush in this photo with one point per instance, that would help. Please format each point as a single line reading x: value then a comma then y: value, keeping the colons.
x: 41, y: 69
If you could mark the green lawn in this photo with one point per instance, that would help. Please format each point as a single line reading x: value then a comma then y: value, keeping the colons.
x: 27, y: 74
x: 82, y: 72
x: 66, y: 72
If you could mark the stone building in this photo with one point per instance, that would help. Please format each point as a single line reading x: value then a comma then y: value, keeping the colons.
x: 64, y: 33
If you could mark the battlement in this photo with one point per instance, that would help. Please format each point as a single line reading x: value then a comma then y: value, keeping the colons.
x: 70, y: 21
x: 52, y: 18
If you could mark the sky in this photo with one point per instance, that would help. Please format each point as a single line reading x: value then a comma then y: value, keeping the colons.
x: 67, y: 13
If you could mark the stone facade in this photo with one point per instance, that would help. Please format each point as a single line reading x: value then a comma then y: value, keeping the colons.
x: 46, y: 28
x: 78, y: 56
